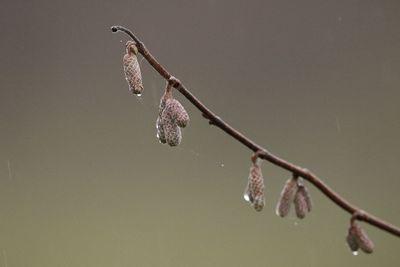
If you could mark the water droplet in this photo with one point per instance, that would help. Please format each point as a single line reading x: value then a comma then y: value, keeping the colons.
x: 355, y: 253
x: 139, y: 95
x: 246, y: 197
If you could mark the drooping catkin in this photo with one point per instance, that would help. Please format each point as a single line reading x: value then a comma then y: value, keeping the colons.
x: 361, y: 238
x: 302, y: 201
x: 351, y: 241
x: 286, y: 198
x: 254, y: 192
x: 132, y: 69
x: 173, y: 134
x: 172, y: 115
x: 177, y: 112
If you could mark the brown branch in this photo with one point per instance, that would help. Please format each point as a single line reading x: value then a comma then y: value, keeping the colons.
x: 213, y: 119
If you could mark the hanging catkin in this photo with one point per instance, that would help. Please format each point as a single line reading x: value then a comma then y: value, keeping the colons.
x: 254, y: 192
x: 132, y: 69
x: 171, y: 117
x: 286, y: 198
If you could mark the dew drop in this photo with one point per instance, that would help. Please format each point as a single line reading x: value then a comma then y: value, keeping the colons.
x: 246, y: 197
x: 355, y: 253
x: 139, y: 98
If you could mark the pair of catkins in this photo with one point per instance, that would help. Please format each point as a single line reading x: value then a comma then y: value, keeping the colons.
x: 294, y: 191
x: 172, y: 115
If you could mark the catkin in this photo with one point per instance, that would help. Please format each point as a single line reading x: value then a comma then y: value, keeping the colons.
x: 173, y: 134
x: 132, y: 69
x: 254, y: 192
x: 351, y: 241
x: 300, y: 202
x: 361, y: 237
x: 286, y: 198
x: 172, y: 115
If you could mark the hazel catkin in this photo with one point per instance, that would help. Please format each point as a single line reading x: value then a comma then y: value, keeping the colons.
x: 302, y: 201
x: 254, y: 192
x: 172, y: 115
x: 286, y: 198
x: 173, y: 134
x: 132, y: 69
x: 361, y: 238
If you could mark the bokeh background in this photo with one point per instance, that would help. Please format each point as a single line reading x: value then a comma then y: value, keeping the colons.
x: 84, y: 181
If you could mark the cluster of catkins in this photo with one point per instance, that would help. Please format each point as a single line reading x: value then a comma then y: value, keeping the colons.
x: 358, y: 239
x: 294, y: 191
x: 172, y: 115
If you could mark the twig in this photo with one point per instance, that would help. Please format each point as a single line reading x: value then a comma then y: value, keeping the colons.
x: 261, y: 152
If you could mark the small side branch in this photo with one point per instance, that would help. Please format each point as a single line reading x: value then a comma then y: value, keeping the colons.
x: 261, y: 152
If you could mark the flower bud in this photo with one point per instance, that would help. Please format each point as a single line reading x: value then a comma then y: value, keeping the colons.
x: 132, y: 69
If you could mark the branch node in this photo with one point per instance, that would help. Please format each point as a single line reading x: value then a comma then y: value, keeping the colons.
x: 357, y: 215
x: 174, y: 82
x: 256, y: 157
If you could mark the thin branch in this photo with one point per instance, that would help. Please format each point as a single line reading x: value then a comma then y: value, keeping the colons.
x: 261, y: 152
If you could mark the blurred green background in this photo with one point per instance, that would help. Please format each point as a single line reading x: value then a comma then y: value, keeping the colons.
x: 84, y: 181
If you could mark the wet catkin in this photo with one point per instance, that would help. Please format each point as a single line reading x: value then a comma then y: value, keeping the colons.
x: 351, y: 241
x: 132, y: 69
x: 254, y: 192
x: 286, y: 198
x: 361, y: 238
x: 173, y: 134
x: 160, y: 131
x: 172, y: 115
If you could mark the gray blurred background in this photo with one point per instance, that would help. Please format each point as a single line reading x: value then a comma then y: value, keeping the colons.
x: 84, y: 181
